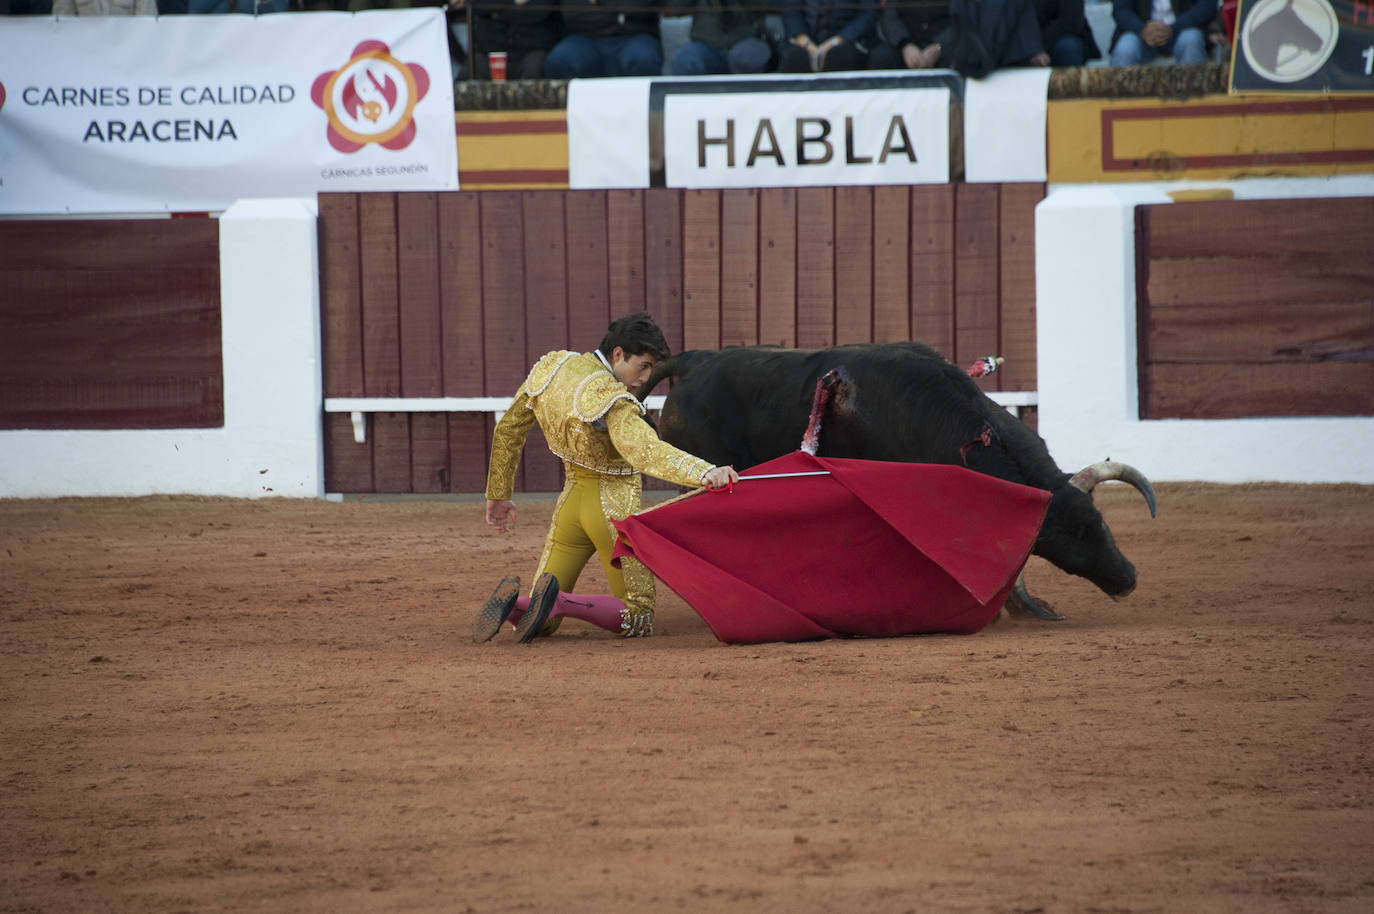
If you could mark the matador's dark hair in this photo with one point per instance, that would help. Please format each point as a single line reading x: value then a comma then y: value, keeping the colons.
x: 636, y: 334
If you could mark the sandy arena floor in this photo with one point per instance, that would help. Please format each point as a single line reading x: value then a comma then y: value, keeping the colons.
x: 220, y: 705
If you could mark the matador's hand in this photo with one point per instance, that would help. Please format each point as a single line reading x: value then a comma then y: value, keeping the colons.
x: 501, y: 515
x: 720, y: 477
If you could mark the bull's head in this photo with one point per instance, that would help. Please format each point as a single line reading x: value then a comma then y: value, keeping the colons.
x: 1075, y: 536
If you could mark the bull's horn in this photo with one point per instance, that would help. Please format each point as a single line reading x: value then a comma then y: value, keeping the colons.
x: 1086, y: 479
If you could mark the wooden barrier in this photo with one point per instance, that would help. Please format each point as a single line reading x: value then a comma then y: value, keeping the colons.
x: 1256, y: 308
x: 456, y: 294
x: 110, y: 324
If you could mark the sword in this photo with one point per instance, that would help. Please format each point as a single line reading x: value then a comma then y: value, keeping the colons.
x: 786, y: 475
x: 731, y: 487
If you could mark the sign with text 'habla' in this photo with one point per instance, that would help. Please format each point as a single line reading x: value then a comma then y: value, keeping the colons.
x: 771, y: 139
x: 190, y: 113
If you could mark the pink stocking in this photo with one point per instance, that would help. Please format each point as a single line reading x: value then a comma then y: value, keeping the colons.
x: 601, y: 610
x: 521, y: 604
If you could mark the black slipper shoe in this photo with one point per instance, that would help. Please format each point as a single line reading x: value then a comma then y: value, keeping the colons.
x: 542, y: 599
x: 496, y: 610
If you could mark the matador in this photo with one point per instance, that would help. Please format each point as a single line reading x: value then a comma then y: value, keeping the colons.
x: 586, y: 406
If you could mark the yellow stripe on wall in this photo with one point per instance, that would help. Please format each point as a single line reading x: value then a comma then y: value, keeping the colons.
x: 1212, y: 137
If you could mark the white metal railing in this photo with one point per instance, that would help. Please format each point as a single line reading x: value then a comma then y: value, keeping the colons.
x: 359, y: 407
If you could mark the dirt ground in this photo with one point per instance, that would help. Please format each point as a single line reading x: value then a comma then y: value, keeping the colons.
x: 222, y: 705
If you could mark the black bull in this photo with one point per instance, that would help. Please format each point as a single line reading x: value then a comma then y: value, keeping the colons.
x: 891, y: 401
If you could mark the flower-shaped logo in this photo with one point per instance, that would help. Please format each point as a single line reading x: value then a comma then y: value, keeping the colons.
x: 370, y: 99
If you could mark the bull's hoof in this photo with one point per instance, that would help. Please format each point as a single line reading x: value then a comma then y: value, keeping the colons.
x: 1026, y: 606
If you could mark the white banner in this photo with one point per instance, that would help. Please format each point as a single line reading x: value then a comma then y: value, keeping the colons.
x: 1004, y: 125
x: 886, y: 127
x: 189, y: 113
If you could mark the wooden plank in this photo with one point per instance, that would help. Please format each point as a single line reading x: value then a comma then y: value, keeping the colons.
x: 815, y: 267
x: 932, y: 266
x: 468, y: 452
x: 347, y: 464
x: 1202, y: 391
x: 778, y: 266
x: 1288, y: 228
x: 110, y: 244
x: 107, y: 349
x: 663, y: 261
x: 701, y: 269
x: 739, y: 267
x: 546, y: 314
x: 1017, y: 264
x: 891, y: 264
x: 341, y: 325
x: 503, y: 293
x: 1206, y: 280
x: 853, y: 265
x: 546, y: 280
x: 976, y: 277
x: 380, y: 308
x: 589, y: 294
x: 1259, y: 333
x: 157, y: 401
x: 625, y: 250
x: 429, y: 460
x: 390, y: 437
x: 460, y: 294
x: 421, y: 326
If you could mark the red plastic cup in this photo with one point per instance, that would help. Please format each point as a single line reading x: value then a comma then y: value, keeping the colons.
x: 498, y: 66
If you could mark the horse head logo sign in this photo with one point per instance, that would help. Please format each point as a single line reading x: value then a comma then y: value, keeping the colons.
x: 370, y: 99
x: 1288, y: 40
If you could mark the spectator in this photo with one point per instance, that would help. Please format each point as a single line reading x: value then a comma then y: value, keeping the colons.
x: 211, y: 7
x: 827, y: 35
x: 1065, y: 38
x: 916, y: 36
x: 526, y: 35
x: 104, y: 7
x: 607, y: 38
x: 724, y: 39
x: 994, y: 33
x: 1174, y: 27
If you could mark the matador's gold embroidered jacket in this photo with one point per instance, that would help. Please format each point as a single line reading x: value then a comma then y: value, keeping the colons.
x: 589, y: 419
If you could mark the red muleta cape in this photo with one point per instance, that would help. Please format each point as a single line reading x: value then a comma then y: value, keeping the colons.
x: 873, y: 549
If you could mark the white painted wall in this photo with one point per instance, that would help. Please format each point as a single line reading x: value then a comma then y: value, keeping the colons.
x: 271, y: 443
x: 1086, y: 352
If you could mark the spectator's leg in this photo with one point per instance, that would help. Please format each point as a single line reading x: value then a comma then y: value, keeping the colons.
x: 843, y: 57
x: 792, y: 59
x: 528, y: 64
x: 1130, y: 50
x: 1190, y: 46
x: 749, y: 56
x: 574, y: 56
x: 1067, y: 52
x: 639, y: 55
x: 697, y: 59
x: 481, y: 65
x: 884, y: 56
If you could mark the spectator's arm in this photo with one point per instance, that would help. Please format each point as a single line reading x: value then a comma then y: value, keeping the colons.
x: 862, y: 23
x: 1068, y: 22
x: 1123, y: 12
x: 1197, y: 16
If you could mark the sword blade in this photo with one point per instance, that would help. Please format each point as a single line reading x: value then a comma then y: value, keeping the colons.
x: 787, y: 475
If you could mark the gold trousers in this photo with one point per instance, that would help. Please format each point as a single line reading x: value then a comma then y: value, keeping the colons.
x: 582, y: 526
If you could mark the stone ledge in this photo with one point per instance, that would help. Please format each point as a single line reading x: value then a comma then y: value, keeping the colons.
x: 1161, y: 81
